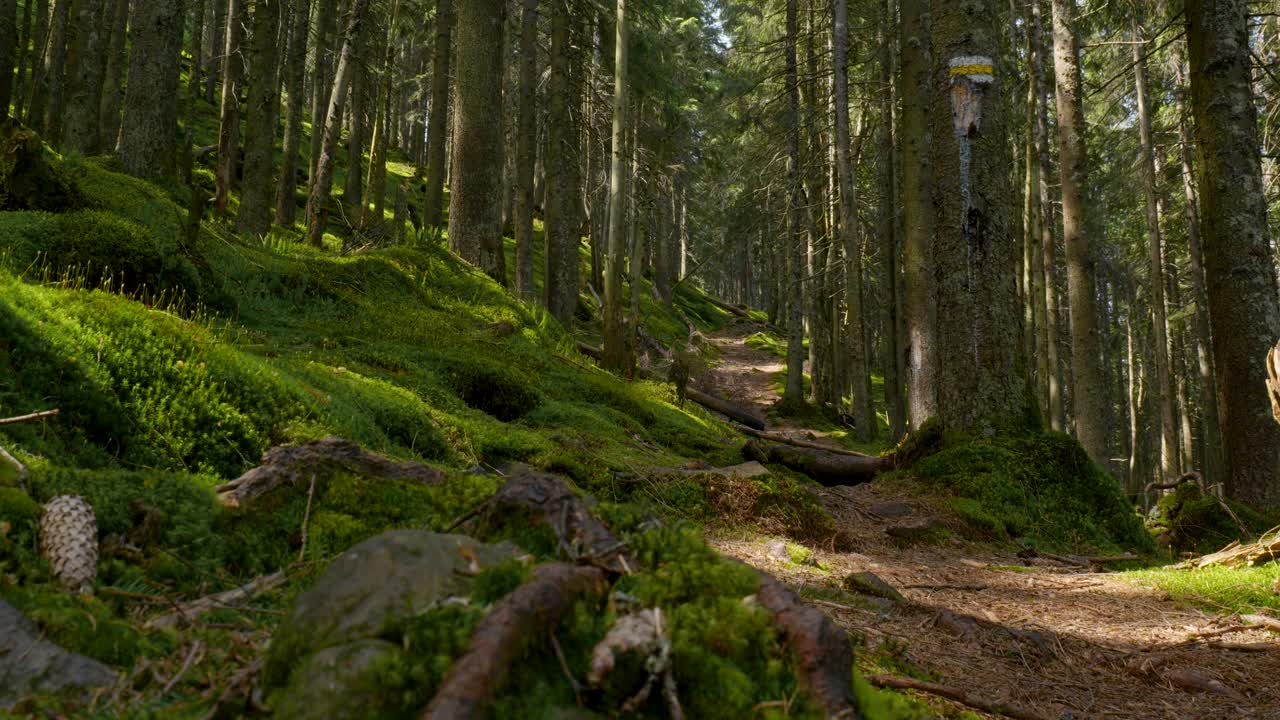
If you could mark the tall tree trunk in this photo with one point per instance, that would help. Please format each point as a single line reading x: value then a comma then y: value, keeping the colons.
x: 1089, y: 381
x: 437, y: 120
x: 560, y: 282
x: 978, y: 380
x: 322, y: 181
x: 1055, y: 408
x: 84, y: 77
x: 296, y: 68
x: 261, y: 110
x: 617, y: 347
x: 150, y: 125
x: 917, y: 203
x: 793, y: 394
x: 893, y: 400
x: 113, y: 77
x: 1155, y: 280
x: 357, y: 133
x: 194, y: 82
x: 526, y: 143
x: 55, y: 58
x: 229, y: 117
x: 326, y: 23
x: 863, y: 415
x: 475, y: 203
x: 22, y: 58
x: 217, y: 46
x: 376, y: 185
x: 38, y: 91
x: 8, y: 53
x: 1239, y: 268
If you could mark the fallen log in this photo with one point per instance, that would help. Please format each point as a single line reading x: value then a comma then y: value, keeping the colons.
x: 825, y: 467
x: 734, y: 412
x: 735, y: 309
x: 296, y: 465
x: 529, y: 611
x: 780, y: 438
x: 590, y: 350
x: 822, y: 653
x: 964, y: 698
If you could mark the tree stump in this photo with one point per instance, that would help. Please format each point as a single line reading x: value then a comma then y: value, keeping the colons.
x: 28, y: 181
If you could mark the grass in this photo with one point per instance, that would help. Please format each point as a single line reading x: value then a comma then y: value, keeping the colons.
x: 1226, y: 590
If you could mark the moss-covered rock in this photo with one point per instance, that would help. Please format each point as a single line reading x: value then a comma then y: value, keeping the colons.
x: 344, y: 681
x: 1187, y: 520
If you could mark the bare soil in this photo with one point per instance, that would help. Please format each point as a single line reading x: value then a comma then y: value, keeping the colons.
x: 1062, y: 641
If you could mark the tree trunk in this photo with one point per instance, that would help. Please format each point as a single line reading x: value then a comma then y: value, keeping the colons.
x: 560, y: 281
x: 978, y: 380
x: 1089, y: 381
x: 793, y: 395
x: 893, y: 400
x: 295, y: 65
x: 18, y: 93
x: 526, y: 143
x: 38, y: 87
x: 322, y: 182
x: 85, y: 76
x: 1239, y: 268
x: 475, y: 203
x: 617, y: 348
x: 54, y: 68
x: 357, y: 134
x: 8, y: 53
x: 150, y: 124
x: 864, y: 419
x: 194, y: 83
x: 437, y: 121
x: 917, y: 203
x: 376, y: 185
x: 229, y: 120
x: 257, y: 186
x: 1055, y: 407
x: 1155, y: 278
x: 326, y: 23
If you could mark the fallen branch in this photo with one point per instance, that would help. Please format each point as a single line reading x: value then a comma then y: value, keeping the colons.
x: 735, y: 309
x: 187, y: 612
x: 286, y: 465
x: 529, y: 611
x: 1083, y: 561
x: 780, y: 438
x: 29, y: 417
x: 822, y: 653
x: 1266, y: 548
x: 17, y: 465
x: 825, y: 467
x: 960, y: 696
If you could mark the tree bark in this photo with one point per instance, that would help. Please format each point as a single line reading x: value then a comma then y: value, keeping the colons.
x: 893, y: 400
x: 1239, y: 267
x: 8, y: 53
x: 618, y: 355
x: 561, y: 261
x: 321, y: 79
x: 979, y: 384
x: 229, y: 116
x: 432, y: 210
x: 38, y: 87
x: 1053, y: 377
x: 295, y: 65
x: 526, y: 144
x: 357, y: 133
x: 1155, y: 277
x: 1089, y: 381
x: 376, y: 185
x: 257, y: 187
x: 322, y: 182
x: 475, y: 203
x: 150, y: 125
x: 55, y: 58
x: 793, y: 394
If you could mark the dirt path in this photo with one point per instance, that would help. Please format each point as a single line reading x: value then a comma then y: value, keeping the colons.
x: 1064, y: 642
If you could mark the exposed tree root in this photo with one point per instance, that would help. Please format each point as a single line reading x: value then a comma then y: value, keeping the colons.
x: 295, y: 465
x: 826, y: 467
x: 530, y: 611
x: 545, y: 499
x: 822, y: 653
x: 960, y: 696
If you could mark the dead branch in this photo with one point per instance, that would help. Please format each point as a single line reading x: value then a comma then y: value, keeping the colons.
x: 17, y: 465
x: 29, y: 417
x: 1266, y: 548
x: 529, y: 611
x: 734, y: 412
x: 990, y: 706
x: 823, y: 655
x: 187, y: 612
x: 825, y: 467
x: 546, y: 500
x: 286, y: 465
x: 780, y: 438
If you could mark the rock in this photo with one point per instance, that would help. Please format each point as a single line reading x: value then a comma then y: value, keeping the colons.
x: 373, y: 587
x: 745, y: 470
x: 928, y: 530
x: 340, y: 682
x: 868, y: 583
x: 31, y: 665
x: 892, y: 509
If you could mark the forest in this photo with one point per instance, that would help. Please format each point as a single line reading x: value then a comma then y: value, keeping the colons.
x: 571, y: 359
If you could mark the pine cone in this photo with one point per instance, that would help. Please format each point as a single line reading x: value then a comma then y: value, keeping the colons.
x: 69, y: 541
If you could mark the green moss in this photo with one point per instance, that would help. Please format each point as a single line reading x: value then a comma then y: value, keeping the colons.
x: 1189, y: 521
x: 87, y: 625
x: 1041, y: 487
x: 1219, y: 589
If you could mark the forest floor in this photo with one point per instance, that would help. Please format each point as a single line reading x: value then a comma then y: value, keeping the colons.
x: 1057, y: 640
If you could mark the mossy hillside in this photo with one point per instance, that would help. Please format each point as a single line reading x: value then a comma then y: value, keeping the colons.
x: 1039, y: 488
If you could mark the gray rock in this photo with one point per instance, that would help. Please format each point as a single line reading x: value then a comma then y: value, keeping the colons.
x: 340, y: 682
x: 868, y: 583
x: 892, y: 509
x: 373, y: 587
x: 31, y: 665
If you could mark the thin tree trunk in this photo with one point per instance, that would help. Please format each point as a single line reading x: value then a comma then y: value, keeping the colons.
x: 1239, y: 268
x: 321, y: 80
x: 1055, y: 408
x: 357, y: 134
x: 560, y: 280
x: 526, y: 142
x: 617, y: 348
x: 229, y: 121
x: 1155, y: 280
x: 113, y: 80
x: 376, y: 186
x: 260, y: 121
x: 54, y: 69
x: 38, y: 87
x: 217, y: 46
x: 296, y: 65
x: 475, y: 202
x: 437, y: 121
x: 8, y: 53
x: 322, y: 182
x: 150, y: 124
x: 1089, y: 381
x: 793, y: 395
x: 894, y: 404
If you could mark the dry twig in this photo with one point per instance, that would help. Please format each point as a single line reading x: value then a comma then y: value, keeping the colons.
x: 29, y: 417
